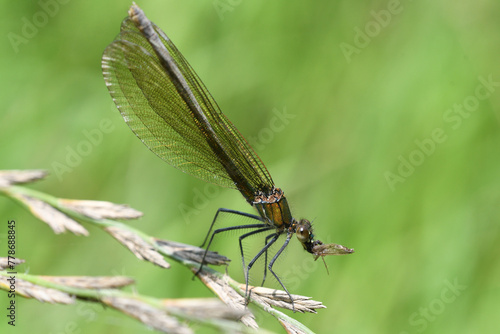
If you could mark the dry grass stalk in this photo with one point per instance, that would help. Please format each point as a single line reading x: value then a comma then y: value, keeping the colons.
x: 167, y: 316
x: 151, y: 249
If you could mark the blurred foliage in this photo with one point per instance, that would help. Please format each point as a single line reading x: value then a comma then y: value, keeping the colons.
x: 374, y: 92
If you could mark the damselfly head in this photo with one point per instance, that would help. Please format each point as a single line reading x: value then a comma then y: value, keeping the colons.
x: 304, y: 232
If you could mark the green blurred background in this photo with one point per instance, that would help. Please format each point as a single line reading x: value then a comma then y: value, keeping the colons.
x: 366, y: 85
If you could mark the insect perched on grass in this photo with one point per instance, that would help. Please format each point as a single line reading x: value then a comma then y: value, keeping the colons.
x: 168, y: 107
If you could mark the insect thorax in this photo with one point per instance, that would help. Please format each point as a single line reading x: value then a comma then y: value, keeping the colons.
x: 273, y: 207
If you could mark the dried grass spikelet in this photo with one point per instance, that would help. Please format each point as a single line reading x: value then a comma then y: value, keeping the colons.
x: 279, y: 298
x: 291, y: 328
x: 191, y: 253
x: 228, y: 295
x: 42, y: 294
x: 58, y: 221
x: 211, y: 308
x: 137, y: 245
x: 89, y: 282
x: 100, y: 209
x: 6, y: 262
x: 11, y: 177
x: 147, y: 314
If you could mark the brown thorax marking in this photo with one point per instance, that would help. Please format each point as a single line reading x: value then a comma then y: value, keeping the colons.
x: 261, y: 197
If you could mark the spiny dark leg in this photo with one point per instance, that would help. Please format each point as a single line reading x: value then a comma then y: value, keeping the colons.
x: 224, y: 230
x: 289, y: 235
x: 265, y: 260
x: 228, y: 211
x: 250, y: 265
x: 247, y: 235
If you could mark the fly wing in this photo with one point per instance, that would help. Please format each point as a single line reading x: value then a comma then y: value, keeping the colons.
x: 169, y: 108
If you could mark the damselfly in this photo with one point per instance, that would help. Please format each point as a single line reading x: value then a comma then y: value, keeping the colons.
x: 168, y: 107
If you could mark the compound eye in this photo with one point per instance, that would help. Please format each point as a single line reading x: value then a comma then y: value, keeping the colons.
x: 303, y: 234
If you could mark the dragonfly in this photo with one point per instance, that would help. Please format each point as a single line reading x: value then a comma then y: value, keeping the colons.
x: 170, y: 110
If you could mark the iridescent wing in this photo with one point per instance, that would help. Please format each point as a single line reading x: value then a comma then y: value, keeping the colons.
x: 169, y: 108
